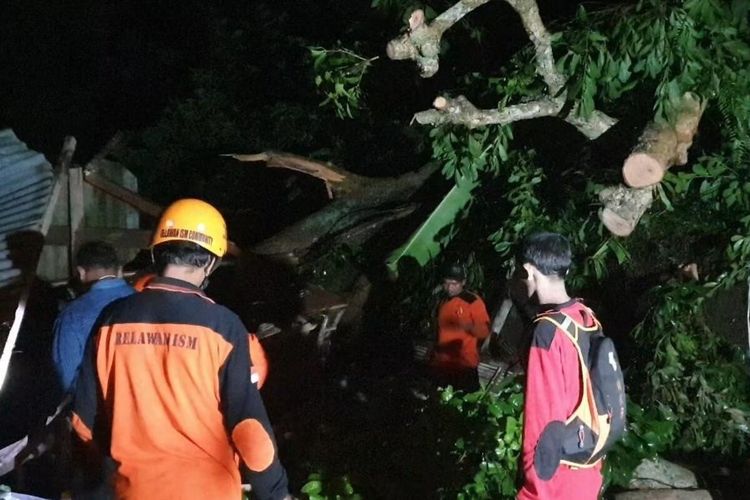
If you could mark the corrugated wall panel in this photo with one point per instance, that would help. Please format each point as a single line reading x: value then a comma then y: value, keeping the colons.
x: 25, y: 187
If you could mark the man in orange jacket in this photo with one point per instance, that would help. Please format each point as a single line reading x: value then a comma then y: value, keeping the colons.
x: 259, y: 368
x: 167, y: 378
x: 462, y: 322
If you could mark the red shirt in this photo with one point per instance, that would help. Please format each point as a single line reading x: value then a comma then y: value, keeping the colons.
x: 462, y: 322
x: 553, y: 390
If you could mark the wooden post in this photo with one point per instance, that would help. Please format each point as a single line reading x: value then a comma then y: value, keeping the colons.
x: 75, y: 212
x: 61, y: 173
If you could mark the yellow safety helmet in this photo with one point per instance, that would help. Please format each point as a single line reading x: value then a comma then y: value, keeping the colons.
x: 192, y: 220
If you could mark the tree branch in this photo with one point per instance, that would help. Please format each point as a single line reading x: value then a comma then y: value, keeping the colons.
x: 326, y: 172
x: 539, y: 36
x: 461, y: 111
x: 421, y: 43
x: 623, y: 207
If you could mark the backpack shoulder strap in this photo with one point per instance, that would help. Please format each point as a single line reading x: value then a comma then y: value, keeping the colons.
x: 586, y: 406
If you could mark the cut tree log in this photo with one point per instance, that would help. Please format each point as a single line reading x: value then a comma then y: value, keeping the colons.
x: 623, y: 207
x: 664, y: 145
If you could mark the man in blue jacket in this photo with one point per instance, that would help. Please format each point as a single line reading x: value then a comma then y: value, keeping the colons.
x: 98, y: 268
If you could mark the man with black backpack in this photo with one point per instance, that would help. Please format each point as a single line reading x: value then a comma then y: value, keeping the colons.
x: 569, y: 421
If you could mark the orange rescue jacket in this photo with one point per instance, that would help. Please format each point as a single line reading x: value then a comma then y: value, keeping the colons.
x: 259, y: 368
x: 462, y: 322
x: 166, y: 390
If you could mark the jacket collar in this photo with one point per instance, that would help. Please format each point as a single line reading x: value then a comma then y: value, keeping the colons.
x: 545, y: 308
x: 108, y: 283
x: 163, y: 283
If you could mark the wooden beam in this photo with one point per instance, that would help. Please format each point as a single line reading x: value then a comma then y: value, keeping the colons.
x: 123, y: 194
x: 118, y: 237
x: 75, y: 213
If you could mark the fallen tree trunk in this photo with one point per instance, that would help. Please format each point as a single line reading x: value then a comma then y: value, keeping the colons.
x: 356, y: 201
x: 662, y: 146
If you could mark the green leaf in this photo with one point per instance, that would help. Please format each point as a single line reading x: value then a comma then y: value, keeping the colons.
x: 425, y: 244
x: 312, y: 487
x: 663, y: 197
x: 624, y: 73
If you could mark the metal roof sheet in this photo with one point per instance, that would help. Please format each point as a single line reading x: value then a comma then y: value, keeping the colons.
x: 26, y: 179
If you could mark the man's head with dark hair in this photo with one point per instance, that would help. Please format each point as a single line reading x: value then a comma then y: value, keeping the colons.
x: 97, y: 254
x: 548, y: 252
x: 544, y: 259
x: 96, y: 259
x: 181, y: 253
x: 454, y: 279
x: 455, y: 271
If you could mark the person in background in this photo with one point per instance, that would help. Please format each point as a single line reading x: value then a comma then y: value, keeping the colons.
x: 553, y: 378
x: 167, y: 378
x: 144, y: 279
x: 462, y: 322
x: 99, y: 269
x: 259, y: 368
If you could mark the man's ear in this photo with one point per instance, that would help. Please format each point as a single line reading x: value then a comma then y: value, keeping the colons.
x: 530, y: 269
x: 81, y: 274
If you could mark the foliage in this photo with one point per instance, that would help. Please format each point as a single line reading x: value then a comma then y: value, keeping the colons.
x: 487, y: 430
x: 527, y: 212
x: 691, y: 45
x: 439, y: 227
x: 648, y: 435
x: 465, y: 154
x: 450, y: 445
x: 319, y: 487
x: 693, y: 376
x: 338, y: 76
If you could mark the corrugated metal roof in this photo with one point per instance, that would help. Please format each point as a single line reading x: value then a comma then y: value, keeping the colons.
x: 26, y: 180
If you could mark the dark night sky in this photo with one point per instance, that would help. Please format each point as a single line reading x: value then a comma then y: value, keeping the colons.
x: 88, y: 68
x: 91, y: 67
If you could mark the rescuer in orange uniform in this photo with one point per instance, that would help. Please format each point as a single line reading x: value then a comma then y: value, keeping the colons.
x: 462, y: 322
x: 167, y: 379
x: 259, y: 368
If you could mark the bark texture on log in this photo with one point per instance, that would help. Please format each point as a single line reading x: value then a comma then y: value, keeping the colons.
x: 623, y: 208
x: 662, y: 146
x: 360, y: 206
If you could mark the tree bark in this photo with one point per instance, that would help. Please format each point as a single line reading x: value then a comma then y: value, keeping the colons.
x: 358, y: 207
x: 662, y: 146
x: 623, y: 208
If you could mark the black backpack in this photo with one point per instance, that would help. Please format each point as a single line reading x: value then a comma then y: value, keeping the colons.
x: 598, y: 420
